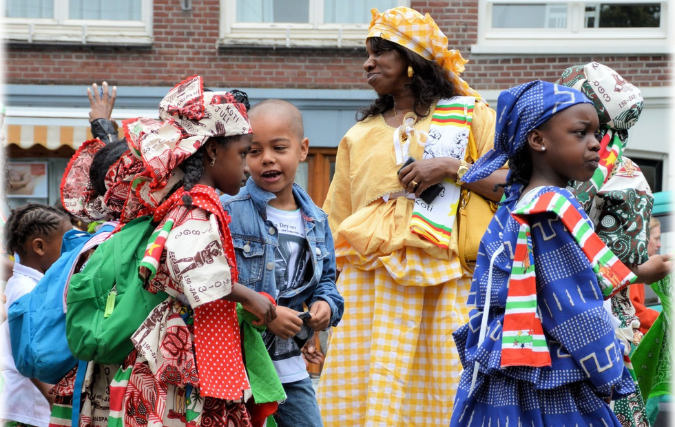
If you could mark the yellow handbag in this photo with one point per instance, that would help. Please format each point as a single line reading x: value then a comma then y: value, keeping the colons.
x: 473, y: 217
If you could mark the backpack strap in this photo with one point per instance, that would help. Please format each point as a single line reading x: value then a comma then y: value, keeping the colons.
x: 77, y: 393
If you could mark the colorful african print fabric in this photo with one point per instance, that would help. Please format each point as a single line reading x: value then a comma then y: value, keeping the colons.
x: 621, y: 210
x: 188, y: 118
x: 203, y: 269
x: 96, y: 395
x: 187, y: 367
x: 584, y: 369
x: 448, y: 137
x: 420, y: 34
x: 523, y: 342
x: 618, y: 198
x: 652, y: 359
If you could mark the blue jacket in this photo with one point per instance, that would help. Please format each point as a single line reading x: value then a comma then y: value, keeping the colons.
x: 255, y: 239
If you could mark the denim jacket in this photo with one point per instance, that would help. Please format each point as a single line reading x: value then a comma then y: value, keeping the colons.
x: 255, y: 239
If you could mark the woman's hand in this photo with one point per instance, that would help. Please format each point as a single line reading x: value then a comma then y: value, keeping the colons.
x: 654, y: 269
x: 427, y: 172
x: 101, y: 106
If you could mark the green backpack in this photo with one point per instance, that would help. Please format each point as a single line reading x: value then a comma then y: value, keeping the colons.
x: 106, y: 300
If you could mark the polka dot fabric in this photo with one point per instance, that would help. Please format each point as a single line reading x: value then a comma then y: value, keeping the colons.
x: 217, y: 336
x: 219, y: 360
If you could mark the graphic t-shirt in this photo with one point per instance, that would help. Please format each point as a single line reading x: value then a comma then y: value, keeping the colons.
x: 292, y: 269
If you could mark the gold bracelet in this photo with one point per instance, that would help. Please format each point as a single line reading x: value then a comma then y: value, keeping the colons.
x: 463, y: 168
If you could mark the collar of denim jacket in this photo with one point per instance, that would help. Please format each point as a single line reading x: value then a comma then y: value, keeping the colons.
x: 261, y: 199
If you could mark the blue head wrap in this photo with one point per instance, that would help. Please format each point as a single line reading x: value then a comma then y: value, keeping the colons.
x: 521, y: 109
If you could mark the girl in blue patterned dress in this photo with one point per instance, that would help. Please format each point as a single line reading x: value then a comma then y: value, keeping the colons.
x: 566, y: 367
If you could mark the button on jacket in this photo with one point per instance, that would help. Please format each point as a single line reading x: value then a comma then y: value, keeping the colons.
x: 256, y: 238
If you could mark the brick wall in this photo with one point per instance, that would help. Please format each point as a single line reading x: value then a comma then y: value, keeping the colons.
x: 185, y: 45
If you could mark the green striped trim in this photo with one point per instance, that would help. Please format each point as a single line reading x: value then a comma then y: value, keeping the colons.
x: 420, y: 217
x: 458, y: 105
x: 519, y: 270
x: 114, y: 421
x: 524, y: 339
x: 62, y: 412
x: 451, y: 116
x: 512, y: 305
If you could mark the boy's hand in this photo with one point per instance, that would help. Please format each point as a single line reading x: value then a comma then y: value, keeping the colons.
x: 287, y: 323
x: 311, y: 354
x: 101, y: 106
x: 321, y: 313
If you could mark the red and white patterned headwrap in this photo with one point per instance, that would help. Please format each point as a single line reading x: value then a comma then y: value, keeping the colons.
x: 188, y: 118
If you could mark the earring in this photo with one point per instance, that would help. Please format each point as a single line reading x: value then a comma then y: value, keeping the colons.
x: 543, y: 148
x: 213, y: 162
x: 411, y: 72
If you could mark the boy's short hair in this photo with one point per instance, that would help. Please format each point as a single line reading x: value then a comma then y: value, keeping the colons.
x: 281, y: 107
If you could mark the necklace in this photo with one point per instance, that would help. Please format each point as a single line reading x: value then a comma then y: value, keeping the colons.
x: 400, y: 123
x: 396, y: 116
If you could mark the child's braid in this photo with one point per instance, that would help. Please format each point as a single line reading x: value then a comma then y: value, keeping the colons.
x: 28, y: 220
x: 520, y: 165
x: 193, y: 167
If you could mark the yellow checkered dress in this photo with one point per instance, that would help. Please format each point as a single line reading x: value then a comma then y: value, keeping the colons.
x: 392, y: 360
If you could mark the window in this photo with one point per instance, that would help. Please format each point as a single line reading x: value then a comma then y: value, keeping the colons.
x: 653, y: 172
x: 315, y: 174
x: 297, y: 23
x: 571, y: 27
x: 119, y: 22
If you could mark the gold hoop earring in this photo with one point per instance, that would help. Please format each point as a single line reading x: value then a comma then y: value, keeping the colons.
x: 411, y: 72
x: 213, y: 162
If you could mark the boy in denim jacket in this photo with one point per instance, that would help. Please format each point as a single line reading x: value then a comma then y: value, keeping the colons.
x: 284, y: 247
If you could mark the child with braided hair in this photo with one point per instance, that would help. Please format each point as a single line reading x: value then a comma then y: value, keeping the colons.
x: 34, y: 232
x: 187, y: 366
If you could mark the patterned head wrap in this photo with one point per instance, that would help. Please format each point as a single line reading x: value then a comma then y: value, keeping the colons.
x: 188, y: 118
x: 408, y: 28
x: 618, y: 104
x: 521, y: 109
x: 622, y: 221
x: 77, y: 192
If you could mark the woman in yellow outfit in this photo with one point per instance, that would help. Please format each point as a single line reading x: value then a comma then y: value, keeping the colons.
x: 392, y: 360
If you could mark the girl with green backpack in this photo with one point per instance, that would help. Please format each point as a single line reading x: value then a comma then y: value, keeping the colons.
x: 187, y: 367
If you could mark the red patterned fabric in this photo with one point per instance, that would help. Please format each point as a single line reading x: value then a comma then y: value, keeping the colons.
x: 203, y: 197
x: 217, y: 335
x: 76, y: 190
x: 218, y: 350
x: 188, y: 118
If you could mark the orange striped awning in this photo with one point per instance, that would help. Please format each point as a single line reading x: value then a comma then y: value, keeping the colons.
x: 50, y: 137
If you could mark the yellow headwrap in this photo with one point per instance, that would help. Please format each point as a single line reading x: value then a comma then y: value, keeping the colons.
x: 408, y: 28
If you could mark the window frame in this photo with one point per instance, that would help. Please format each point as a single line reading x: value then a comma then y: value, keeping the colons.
x: 574, y: 39
x: 62, y: 29
x: 290, y: 35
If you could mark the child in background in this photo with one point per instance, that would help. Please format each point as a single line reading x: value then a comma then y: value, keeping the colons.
x: 34, y: 232
x: 540, y: 348
x: 646, y: 315
x: 284, y: 247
